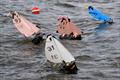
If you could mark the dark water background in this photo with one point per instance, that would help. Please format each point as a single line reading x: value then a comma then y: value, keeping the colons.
x: 97, y: 54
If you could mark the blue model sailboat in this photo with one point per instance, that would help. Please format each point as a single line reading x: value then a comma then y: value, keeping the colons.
x: 98, y: 15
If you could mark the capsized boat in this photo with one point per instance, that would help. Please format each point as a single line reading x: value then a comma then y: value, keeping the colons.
x: 58, y: 55
x: 67, y: 29
x: 98, y: 15
x: 25, y: 27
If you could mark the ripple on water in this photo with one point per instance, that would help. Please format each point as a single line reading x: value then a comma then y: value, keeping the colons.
x: 97, y: 54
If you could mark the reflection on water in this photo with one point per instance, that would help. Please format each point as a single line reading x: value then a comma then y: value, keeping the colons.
x: 102, y: 26
x: 97, y: 54
x: 102, y: 29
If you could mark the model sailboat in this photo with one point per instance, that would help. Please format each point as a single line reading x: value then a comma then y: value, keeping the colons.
x: 56, y: 53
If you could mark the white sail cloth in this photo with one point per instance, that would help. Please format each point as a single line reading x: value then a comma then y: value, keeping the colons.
x: 56, y: 52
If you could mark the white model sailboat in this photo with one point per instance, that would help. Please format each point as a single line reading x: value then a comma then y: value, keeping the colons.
x: 56, y: 53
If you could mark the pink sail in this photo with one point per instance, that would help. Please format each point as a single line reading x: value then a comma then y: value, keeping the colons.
x: 66, y: 27
x: 24, y: 26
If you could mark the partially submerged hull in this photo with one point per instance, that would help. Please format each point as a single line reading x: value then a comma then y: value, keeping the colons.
x: 38, y: 38
x: 66, y: 68
x: 70, y: 37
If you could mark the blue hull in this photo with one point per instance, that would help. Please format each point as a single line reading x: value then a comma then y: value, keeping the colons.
x: 98, y: 15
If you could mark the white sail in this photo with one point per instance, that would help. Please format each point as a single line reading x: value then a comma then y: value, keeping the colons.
x: 56, y: 52
x: 24, y: 26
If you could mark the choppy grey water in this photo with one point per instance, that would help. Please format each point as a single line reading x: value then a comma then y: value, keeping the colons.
x: 97, y: 54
